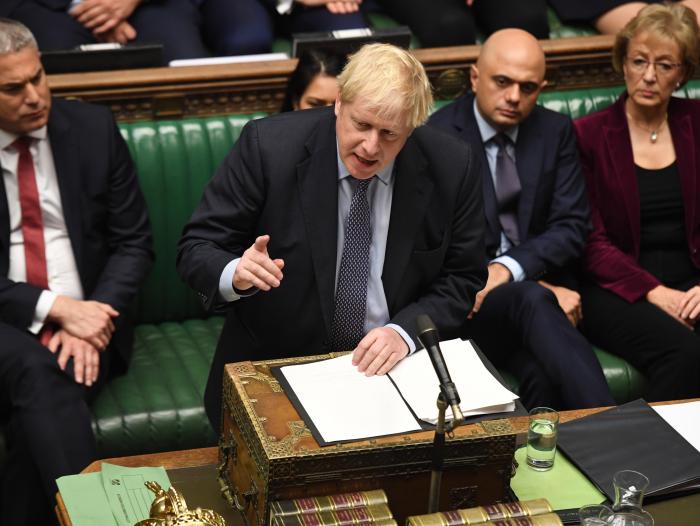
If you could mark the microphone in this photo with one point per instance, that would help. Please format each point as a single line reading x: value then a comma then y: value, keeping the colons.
x: 428, y: 336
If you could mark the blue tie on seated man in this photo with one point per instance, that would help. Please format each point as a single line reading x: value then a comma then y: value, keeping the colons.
x: 537, y: 220
x: 75, y: 243
x: 268, y: 241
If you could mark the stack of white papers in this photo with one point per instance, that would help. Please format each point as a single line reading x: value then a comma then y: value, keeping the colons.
x: 684, y: 418
x: 344, y: 404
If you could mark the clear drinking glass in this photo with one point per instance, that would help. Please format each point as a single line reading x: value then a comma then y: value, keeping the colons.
x: 542, y: 438
x: 629, y: 490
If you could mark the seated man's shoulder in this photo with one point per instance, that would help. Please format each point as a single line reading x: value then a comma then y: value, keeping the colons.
x: 444, y: 116
x: 437, y: 140
x: 77, y: 108
x: 550, y: 120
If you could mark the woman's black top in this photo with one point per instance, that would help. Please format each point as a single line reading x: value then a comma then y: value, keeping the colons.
x: 663, y: 244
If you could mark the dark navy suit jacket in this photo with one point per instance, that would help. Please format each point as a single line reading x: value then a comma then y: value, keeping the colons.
x: 553, y: 214
x: 105, y: 215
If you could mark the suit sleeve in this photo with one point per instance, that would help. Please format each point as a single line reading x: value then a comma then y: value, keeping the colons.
x: 610, y: 267
x: 567, y: 224
x: 449, y: 298
x: 221, y: 227
x: 127, y: 230
x: 18, y: 302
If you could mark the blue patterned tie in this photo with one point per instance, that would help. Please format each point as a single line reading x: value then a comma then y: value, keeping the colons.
x: 351, y: 292
x: 507, y: 190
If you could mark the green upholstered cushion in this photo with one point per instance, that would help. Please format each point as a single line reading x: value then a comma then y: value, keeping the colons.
x: 626, y: 383
x: 157, y: 405
x: 559, y: 30
x: 175, y: 159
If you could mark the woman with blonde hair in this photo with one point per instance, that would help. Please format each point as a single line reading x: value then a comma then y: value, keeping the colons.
x: 641, y: 159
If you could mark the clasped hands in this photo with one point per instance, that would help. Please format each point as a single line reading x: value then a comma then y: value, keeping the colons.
x: 107, y: 19
x: 337, y: 7
x: 682, y: 306
x: 377, y: 352
x: 86, y: 328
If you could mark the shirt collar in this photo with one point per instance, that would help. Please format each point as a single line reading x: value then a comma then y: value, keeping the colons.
x: 7, y: 138
x: 487, y: 131
x: 384, y: 175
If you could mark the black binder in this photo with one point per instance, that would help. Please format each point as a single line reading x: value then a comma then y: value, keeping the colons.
x: 632, y: 436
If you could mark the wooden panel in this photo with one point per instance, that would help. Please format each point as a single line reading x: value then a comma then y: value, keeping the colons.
x: 155, y: 93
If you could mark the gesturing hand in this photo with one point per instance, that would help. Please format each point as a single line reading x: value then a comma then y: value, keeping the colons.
x: 257, y: 269
x: 379, y: 351
x: 86, y: 358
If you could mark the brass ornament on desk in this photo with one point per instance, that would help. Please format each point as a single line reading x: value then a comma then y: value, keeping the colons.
x: 170, y: 509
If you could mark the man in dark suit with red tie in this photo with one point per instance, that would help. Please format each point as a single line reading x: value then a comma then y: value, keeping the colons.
x: 74, y: 244
x: 537, y: 220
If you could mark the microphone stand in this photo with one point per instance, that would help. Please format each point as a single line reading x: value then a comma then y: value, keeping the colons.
x: 439, y: 449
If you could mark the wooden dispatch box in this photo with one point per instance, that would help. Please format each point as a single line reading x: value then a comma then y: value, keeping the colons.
x: 267, y: 453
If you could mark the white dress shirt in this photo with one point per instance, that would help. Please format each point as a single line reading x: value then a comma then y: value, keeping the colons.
x: 61, y: 270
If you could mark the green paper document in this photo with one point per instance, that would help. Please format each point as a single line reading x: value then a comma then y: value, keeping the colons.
x: 564, y: 486
x: 116, y: 496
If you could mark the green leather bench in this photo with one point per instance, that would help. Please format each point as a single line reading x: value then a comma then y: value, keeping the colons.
x: 157, y: 405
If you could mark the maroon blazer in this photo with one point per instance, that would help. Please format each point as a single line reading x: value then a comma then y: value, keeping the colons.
x: 612, y: 252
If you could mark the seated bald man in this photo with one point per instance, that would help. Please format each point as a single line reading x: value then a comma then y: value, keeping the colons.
x: 331, y: 229
x: 537, y: 219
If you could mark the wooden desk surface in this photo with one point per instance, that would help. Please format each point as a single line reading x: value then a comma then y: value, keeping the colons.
x: 193, y: 458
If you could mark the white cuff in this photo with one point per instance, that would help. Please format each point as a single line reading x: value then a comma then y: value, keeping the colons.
x: 515, y: 269
x: 226, y: 290
x: 284, y: 6
x: 41, y: 311
x: 406, y: 338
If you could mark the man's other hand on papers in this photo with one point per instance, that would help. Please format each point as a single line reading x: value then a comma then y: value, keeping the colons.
x: 379, y: 351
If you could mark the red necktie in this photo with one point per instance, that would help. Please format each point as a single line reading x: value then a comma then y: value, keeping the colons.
x: 32, y: 224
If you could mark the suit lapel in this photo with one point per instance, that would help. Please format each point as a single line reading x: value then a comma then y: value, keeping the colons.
x: 317, y: 180
x: 66, y: 151
x: 469, y: 131
x: 529, y: 157
x: 619, y: 151
x: 412, y: 190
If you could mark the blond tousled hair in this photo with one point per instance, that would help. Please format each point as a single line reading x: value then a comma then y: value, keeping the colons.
x: 675, y: 22
x: 391, y: 80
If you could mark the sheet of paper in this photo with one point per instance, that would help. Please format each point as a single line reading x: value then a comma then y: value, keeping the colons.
x: 129, y: 499
x: 234, y: 59
x: 684, y: 418
x: 347, y: 405
x: 479, y: 391
x: 85, y: 500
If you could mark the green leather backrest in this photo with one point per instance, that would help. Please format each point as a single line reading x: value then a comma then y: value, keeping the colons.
x: 175, y: 159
